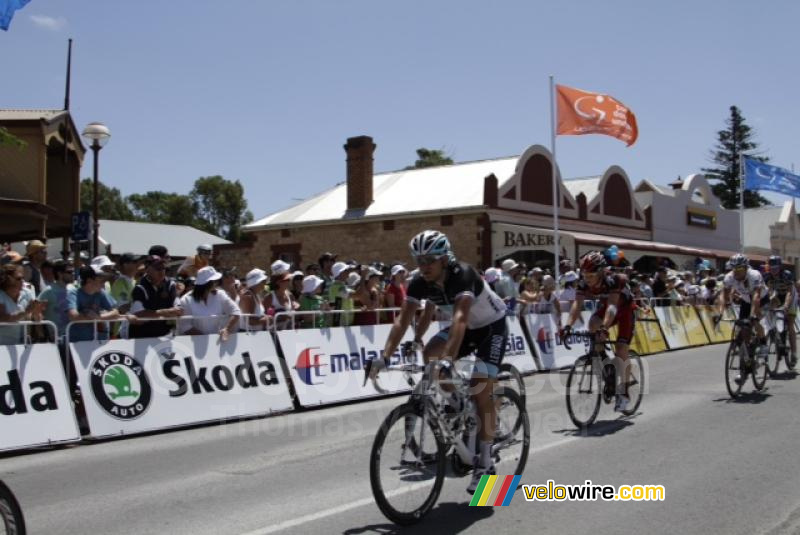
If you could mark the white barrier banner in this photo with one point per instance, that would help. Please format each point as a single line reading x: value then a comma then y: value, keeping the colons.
x: 138, y: 385
x: 35, y: 407
x: 548, y: 345
x: 327, y: 365
x: 517, y: 351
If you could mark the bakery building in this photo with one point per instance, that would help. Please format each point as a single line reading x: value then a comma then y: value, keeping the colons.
x: 490, y: 210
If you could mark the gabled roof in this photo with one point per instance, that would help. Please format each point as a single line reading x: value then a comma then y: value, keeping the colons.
x: 29, y: 115
x: 433, y: 189
x: 136, y: 238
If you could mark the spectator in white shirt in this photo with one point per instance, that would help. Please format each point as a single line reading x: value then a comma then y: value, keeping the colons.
x: 212, y: 310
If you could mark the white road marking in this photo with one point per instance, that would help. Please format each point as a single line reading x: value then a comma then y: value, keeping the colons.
x: 366, y: 501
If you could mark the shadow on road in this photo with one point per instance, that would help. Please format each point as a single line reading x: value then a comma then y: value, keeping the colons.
x: 785, y: 375
x: 600, y: 428
x: 444, y: 518
x: 749, y: 398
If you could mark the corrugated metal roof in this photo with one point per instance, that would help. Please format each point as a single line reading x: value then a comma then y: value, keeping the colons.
x: 29, y: 115
x: 447, y: 187
x: 136, y: 238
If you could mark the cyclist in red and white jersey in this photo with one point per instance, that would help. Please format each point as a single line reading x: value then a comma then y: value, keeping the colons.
x: 615, y: 306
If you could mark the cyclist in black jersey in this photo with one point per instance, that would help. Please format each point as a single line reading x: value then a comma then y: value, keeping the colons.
x: 783, y: 294
x: 478, y: 324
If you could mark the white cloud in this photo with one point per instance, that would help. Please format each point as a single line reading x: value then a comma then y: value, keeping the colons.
x: 49, y: 23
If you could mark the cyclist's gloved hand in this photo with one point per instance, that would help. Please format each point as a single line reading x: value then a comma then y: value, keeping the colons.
x: 373, y: 367
x: 602, y: 334
x: 565, y: 331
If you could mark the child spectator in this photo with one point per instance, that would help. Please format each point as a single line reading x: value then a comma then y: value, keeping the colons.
x: 311, y: 301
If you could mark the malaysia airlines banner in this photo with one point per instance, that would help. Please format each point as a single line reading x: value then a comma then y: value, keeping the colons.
x: 327, y: 365
x: 762, y: 176
x: 146, y: 384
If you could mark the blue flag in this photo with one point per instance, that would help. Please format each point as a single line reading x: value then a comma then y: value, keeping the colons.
x: 7, y: 9
x: 761, y: 176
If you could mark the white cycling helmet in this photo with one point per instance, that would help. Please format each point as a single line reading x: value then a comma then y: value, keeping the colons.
x: 738, y: 260
x: 429, y: 242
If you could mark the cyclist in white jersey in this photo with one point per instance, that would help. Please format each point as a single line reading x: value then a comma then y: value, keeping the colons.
x: 478, y: 324
x: 749, y: 285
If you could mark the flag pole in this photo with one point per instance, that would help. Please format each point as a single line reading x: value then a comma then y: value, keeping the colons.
x: 741, y: 203
x: 555, y: 180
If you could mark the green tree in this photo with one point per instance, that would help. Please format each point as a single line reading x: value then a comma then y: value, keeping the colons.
x: 430, y: 158
x: 220, y: 206
x: 111, y: 203
x: 162, y: 207
x: 7, y: 138
x: 737, y: 138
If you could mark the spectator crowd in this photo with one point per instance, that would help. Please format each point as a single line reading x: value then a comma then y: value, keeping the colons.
x: 155, y: 295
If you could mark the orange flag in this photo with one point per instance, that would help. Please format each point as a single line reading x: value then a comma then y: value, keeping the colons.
x: 582, y: 112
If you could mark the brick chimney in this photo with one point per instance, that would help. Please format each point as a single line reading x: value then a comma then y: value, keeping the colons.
x: 359, y: 172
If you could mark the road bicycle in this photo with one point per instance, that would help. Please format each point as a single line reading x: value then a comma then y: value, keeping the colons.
x: 11, y: 520
x: 778, y: 342
x: 410, y: 453
x: 741, y: 360
x: 593, y: 378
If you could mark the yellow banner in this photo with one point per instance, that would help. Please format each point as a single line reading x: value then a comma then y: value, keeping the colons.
x: 722, y: 332
x: 647, y: 335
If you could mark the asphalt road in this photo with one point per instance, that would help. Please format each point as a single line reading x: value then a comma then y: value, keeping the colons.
x: 727, y: 467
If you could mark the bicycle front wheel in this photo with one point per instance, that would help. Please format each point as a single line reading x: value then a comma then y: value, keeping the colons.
x: 773, y: 353
x: 509, y: 376
x: 11, y: 520
x: 734, y: 374
x: 407, y: 465
x: 584, y: 389
x: 512, y: 434
x: 760, y: 370
x: 635, y: 380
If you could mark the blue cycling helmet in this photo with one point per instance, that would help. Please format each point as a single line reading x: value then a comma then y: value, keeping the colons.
x: 775, y: 260
x: 429, y: 242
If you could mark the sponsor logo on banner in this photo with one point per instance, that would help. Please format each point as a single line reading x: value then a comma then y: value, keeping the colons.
x: 120, y: 385
x: 35, y: 407
x: 221, y: 377
x: 149, y: 384
x: 312, y: 365
x: 515, y: 346
x: 17, y: 397
x: 544, y: 340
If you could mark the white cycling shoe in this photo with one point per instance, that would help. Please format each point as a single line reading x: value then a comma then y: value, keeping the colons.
x: 477, y: 473
x: 621, y: 403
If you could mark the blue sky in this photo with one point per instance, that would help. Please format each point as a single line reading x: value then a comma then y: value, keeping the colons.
x: 267, y: 92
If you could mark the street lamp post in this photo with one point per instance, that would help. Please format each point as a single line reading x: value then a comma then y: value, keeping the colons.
x: 96, y: 134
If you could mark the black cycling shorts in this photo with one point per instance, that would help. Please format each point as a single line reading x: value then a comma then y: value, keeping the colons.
x: 488, y: 343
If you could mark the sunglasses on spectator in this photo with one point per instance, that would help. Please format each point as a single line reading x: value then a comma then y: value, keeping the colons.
x: 427, y: 260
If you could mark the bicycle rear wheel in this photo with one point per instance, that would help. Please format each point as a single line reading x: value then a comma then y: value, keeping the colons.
x: 407, y: 465
x: 635, y: 383
x: 11, y: 520
x: 733, y: 361
x: 791, y: 362
x: 512, y: 435
x: 584, y: 389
